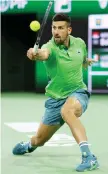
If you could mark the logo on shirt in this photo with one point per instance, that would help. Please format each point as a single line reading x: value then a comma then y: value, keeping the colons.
x: 78, y: 51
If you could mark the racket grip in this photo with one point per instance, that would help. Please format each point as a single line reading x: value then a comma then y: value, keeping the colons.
x: 35, y: 48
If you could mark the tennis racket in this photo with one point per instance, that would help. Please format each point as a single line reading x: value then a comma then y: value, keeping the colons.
x: 36, y: 46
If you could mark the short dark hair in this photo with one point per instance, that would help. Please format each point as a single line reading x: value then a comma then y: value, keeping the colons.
x: 62, y: 17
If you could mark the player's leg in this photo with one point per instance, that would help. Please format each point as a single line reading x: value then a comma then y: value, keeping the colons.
x: 51, y: 122
x: 70, y: 112
x: 73, y: 108
x: 44, y: 133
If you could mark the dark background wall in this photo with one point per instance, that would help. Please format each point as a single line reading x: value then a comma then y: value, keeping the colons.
x: 16, y: 37
x: 17, y: 71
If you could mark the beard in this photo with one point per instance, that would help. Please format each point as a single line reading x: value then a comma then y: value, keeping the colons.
x: 58, y: 40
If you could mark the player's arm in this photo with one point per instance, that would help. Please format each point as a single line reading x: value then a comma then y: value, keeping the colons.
x: 88, y: 62
x: 42, y: 54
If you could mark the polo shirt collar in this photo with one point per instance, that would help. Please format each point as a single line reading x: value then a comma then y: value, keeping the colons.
x: 71, y: 39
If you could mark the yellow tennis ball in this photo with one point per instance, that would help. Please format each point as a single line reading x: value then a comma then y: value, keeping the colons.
x: 34, y: 25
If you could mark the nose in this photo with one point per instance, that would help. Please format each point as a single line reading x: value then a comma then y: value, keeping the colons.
x: 56, y: 32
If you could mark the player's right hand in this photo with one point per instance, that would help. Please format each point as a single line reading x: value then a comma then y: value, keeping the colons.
x: 30, y: 54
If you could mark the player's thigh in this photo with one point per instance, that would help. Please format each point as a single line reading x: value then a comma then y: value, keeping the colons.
x: 45, y: 132
x: 77, y: 102
x: 72, y: 105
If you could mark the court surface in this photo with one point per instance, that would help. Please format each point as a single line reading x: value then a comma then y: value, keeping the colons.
x: 21, y: 114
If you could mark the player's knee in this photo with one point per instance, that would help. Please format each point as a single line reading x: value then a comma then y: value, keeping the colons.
x: 71, y: 107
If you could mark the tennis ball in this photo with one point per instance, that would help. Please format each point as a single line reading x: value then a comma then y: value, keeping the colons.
x: 35, y: 26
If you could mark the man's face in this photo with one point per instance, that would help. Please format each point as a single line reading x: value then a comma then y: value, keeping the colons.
x: 60, y: 31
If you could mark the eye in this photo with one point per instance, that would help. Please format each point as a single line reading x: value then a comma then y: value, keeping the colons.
x: 61, y: 28
x: 53, y: 27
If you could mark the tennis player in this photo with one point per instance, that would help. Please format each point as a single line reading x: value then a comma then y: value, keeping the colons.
x: 64, y: 57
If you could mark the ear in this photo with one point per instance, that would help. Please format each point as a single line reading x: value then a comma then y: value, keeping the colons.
x: 69, y: 30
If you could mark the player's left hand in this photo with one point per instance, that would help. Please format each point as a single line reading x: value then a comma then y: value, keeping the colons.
x: 89, y: 62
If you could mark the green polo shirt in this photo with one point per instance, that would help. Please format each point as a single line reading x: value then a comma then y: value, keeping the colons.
x: 64, y: 68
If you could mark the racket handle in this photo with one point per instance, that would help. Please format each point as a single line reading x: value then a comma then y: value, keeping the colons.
x: 36, y: 48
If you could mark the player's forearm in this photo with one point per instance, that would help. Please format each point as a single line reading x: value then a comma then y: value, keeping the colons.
x: 42, y: 54
x: 89, y: 62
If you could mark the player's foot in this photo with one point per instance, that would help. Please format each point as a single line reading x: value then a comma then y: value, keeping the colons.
x: 22, y: 148
x: 88, y: 163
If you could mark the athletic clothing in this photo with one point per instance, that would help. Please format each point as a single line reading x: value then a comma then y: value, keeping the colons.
x: 64, y: 68
x: 52, y: 115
